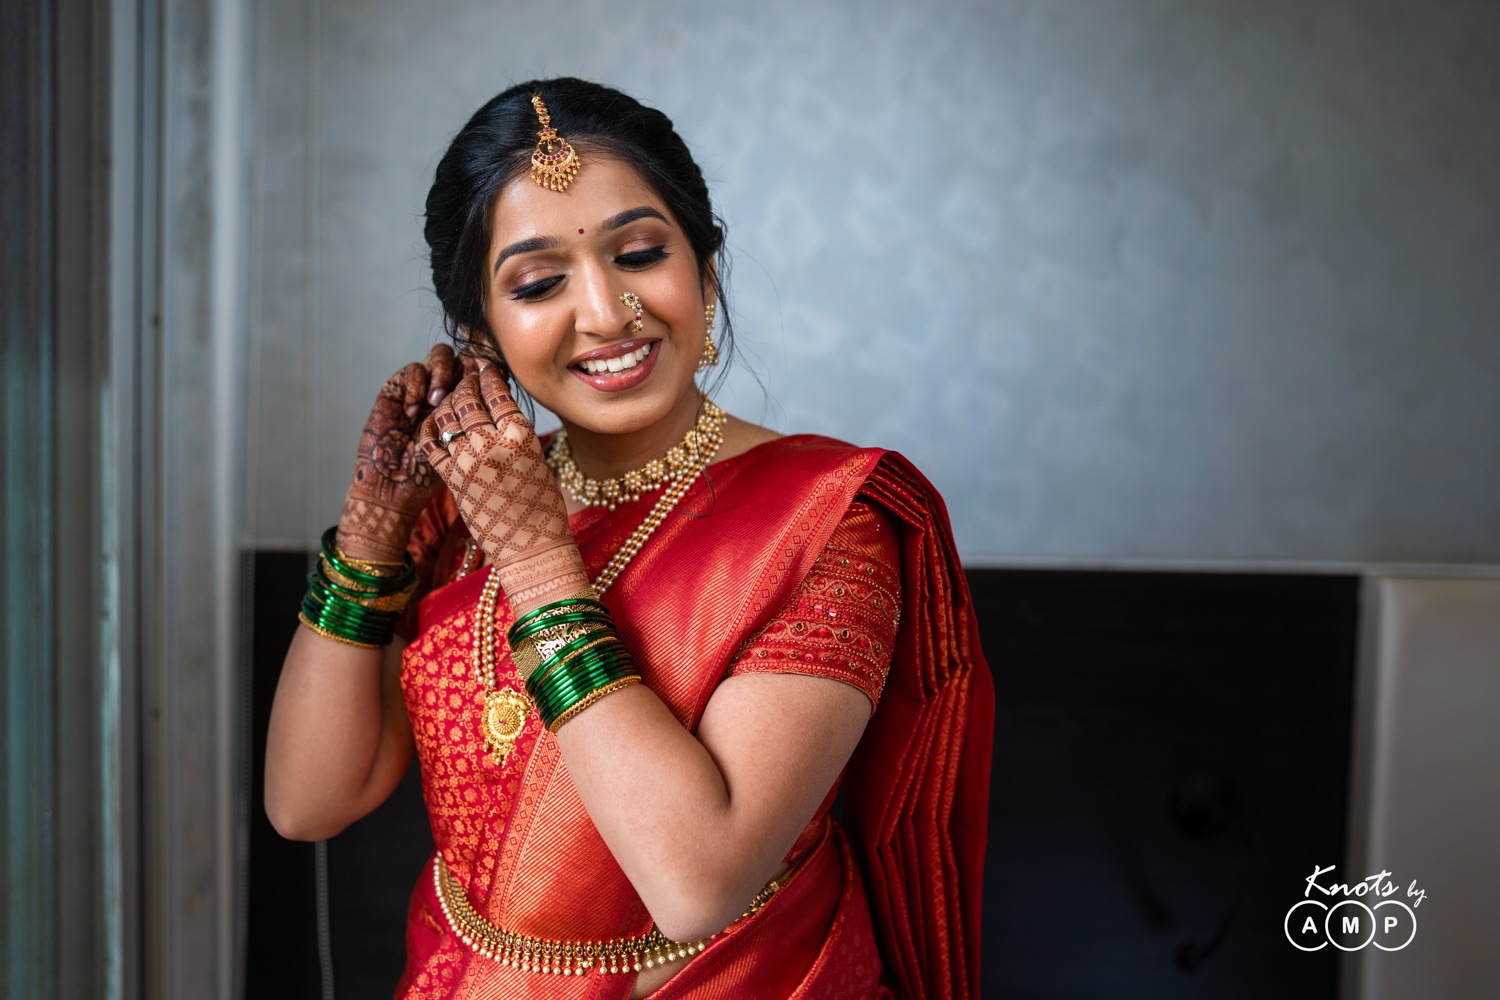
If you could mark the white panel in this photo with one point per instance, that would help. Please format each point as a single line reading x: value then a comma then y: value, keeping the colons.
x: 1427, y: 800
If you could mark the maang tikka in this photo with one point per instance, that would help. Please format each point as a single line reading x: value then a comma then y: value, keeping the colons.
x: 554, y: 163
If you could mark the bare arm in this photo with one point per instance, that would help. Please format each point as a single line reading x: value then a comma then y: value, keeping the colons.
x: 339, y: 740
x: 700, y: 824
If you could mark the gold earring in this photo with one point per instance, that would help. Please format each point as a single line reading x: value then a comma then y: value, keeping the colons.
x: 710, y: 356
x: 633, y: 301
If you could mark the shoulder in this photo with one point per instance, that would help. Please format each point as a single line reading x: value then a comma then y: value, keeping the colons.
x: 809, y: 454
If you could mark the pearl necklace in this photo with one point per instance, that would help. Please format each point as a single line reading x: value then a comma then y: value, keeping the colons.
x: 686, y: 457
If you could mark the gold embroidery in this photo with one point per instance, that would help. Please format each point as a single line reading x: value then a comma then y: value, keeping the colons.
x: 837, y: 623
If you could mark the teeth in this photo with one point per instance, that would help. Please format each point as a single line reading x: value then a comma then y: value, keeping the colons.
x: 622, y: 363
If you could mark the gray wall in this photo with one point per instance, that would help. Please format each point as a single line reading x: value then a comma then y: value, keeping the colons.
x: 1137, y: 280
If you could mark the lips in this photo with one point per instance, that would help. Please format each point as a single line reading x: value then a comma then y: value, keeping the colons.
x: 616, y: 362
x: 633, y: 361
x: 615, y: 350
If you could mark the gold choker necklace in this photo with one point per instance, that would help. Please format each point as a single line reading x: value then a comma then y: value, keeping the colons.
x: 685, y: 458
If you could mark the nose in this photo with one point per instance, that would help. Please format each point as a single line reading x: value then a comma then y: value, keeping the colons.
x: 600, y: 310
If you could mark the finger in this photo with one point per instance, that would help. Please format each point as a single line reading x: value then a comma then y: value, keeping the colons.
x: 496, y: 393
x: 430, y: 447
x: 445, y: 421
x: 469, y: 362
x: 444, y: 370
x: 469, y: 405
x: 394, y: 387
x: 413, y: 382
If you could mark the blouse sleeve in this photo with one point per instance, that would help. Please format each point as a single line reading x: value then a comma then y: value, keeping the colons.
x: 841, y: 621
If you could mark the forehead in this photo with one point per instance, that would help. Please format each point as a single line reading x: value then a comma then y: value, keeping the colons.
x: 603, y: 187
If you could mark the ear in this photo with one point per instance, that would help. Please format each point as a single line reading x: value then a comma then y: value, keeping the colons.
x: 710, y: 275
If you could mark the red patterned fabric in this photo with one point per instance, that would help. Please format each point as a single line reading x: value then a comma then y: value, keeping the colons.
x: 841, y: 622
x: 757, y: 549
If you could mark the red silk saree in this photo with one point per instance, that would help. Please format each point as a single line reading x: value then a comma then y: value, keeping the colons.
x: 883, y: 903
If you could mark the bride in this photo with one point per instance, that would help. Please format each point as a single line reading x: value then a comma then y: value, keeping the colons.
x: 636, y: 659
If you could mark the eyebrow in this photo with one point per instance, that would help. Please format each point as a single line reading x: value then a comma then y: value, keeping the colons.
x: 526, y: 246
x: 616, y: 221
x: 628, y: 216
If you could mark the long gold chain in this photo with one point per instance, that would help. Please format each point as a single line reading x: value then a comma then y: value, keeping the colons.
x: 502, y: 719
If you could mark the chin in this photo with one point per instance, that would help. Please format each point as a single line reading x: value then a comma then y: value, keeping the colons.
x: 626, y: 412
x: 600, y: 414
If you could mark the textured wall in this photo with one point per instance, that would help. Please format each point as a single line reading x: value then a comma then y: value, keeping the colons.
x: 1131, y: 280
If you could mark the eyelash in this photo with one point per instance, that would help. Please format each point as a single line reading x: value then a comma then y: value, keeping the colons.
x: 636, y: 260
x: 643, y: 258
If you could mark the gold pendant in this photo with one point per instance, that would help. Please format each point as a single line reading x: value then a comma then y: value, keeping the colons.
x: 505, y: 713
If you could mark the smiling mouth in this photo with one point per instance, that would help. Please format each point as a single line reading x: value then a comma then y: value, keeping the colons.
x: 616, y: 365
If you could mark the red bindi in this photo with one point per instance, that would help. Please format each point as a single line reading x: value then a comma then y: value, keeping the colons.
x: 580, y: 232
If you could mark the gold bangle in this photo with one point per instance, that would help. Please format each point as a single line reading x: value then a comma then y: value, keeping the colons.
x: 336, y: 638
x: 562, y: 664
x: 591, y: 697
x: 375, y: 567
x: 384, y: 602
x: 528, y: 658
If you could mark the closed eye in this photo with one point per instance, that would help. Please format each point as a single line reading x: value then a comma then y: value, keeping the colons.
x: 643, y: 258
x: 536, y: 289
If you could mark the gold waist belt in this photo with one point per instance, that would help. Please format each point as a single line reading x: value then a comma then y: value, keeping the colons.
x: 566, y: 958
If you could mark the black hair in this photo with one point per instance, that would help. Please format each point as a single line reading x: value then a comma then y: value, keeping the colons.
x: 496, y: 145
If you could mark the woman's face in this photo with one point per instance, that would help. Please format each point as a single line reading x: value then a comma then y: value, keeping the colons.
x: 558, y: 264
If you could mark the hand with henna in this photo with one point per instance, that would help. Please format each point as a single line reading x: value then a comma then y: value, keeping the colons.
x: 392, y: 480
x: 493, y: 464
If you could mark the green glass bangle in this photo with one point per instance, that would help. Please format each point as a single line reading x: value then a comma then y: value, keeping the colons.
x: 349, y: 619
x: 363, y: 632
x: 578, y: 633
x: 550, y: 665
x: 575, y: 657
x: 334, y: 617
x: 353, y: 595
x: 573, y: 617
x: 565, y: 707
x: 359, y: 637
x: 571, y: 686
x: 530, y: 618
x: 339, y: 603
x: 320, y: 630
x: 382, y: 584
x: 550, y: 708
x: 564, y: 684
x: 594, y: 696
x: 565, y: 602
x: 577, y: 677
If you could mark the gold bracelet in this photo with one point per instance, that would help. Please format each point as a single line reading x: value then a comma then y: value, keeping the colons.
x: 591, y: 697
x: 388, y: 602
x: 329, y: 635
x: 375, y: 567
x: 528, y: 657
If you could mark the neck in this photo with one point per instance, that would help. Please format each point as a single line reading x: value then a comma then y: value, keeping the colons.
x: 601, y: 456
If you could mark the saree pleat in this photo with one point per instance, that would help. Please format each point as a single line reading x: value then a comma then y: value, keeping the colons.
x: 898, y: 896
x: 917, y: 789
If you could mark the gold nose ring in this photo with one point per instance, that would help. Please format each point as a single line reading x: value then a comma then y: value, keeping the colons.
x: 633, y: 301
